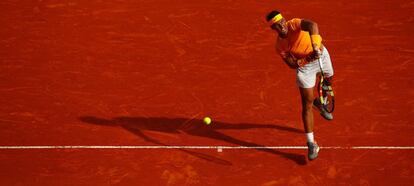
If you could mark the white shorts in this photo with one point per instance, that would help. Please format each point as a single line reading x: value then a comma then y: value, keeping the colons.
x: 306, y: 75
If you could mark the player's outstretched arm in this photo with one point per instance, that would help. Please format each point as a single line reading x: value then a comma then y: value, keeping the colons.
x: 316, y: 39
x: 309, y: 26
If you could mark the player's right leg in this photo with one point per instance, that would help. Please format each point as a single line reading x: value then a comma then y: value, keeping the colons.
x: 307, y: 118
x: 306, y: 80
x: 306, y: 95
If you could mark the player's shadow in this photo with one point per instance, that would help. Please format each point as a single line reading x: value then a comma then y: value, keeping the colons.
x: 195, y: 127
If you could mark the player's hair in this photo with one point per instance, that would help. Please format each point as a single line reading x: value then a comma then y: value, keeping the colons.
x: 271, y: 15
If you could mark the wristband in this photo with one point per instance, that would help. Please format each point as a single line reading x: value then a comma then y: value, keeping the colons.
x: 316, y: 40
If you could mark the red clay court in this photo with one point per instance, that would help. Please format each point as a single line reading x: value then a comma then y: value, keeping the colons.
x: 83, y: 80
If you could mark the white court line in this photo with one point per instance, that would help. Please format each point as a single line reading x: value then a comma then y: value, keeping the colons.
x: 209, y: 147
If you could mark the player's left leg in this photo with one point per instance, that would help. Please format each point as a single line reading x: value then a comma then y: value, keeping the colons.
x: 328, y: 72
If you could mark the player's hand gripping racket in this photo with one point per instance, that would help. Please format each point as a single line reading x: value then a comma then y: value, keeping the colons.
x: 325, y: 91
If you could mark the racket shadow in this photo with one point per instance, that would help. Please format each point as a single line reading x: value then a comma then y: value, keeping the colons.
x: 194, y: 127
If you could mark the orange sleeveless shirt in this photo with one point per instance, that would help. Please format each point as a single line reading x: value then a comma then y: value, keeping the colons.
x: 297, y: 43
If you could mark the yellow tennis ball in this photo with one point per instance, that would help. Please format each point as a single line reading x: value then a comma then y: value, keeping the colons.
x: 207, y: 120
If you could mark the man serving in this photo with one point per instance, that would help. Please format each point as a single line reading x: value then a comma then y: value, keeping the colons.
x: 300, y: 46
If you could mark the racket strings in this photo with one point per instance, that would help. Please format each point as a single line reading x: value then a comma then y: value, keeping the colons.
x: 326, y: 95
x: 327, y: 90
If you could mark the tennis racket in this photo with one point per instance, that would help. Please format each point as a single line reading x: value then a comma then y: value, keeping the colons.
x: 325, y: 91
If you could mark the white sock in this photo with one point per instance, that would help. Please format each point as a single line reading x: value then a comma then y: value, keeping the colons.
x: 309, y: 137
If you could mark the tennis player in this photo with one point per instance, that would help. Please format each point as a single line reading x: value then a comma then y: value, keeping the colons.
x: 300, y: 46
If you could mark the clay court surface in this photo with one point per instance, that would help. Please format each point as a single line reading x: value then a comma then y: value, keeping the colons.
x: 145, y: 73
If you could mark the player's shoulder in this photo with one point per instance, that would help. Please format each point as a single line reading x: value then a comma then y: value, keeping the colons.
x: 294, y: 24
x: 294, y: 21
